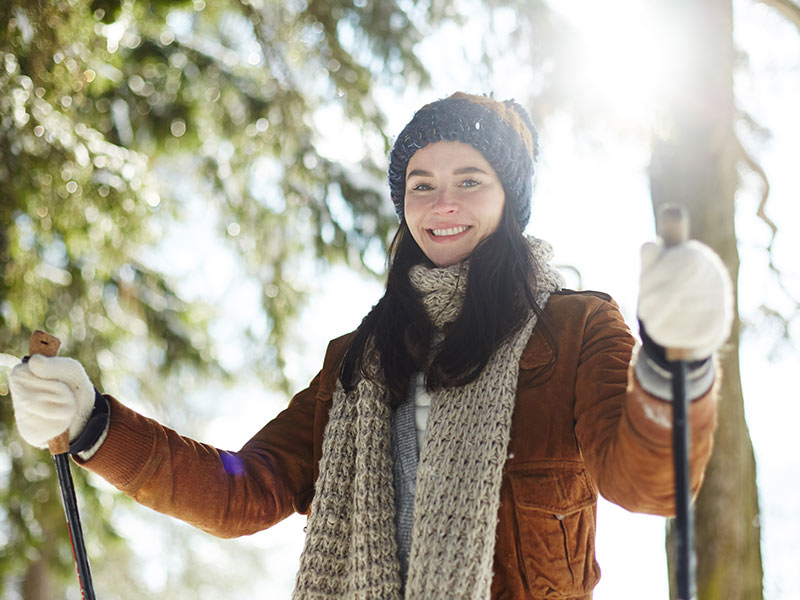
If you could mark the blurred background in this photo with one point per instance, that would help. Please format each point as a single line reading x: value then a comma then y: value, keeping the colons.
x: 193, y: 198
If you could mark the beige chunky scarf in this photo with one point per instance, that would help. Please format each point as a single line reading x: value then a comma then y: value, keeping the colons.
x: 351, y: 550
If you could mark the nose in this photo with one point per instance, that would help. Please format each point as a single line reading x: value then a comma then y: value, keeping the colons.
x: 444, y: 203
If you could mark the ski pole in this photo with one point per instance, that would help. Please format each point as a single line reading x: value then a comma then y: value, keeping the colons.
x: 48, y: 345
x: 673, y: 228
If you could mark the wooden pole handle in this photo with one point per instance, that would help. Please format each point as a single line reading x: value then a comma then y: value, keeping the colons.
x: 43, y: 343
x: 48, y: 345
x: 673, y: 225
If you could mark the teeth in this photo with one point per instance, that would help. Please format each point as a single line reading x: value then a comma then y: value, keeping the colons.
x: 450, y: 231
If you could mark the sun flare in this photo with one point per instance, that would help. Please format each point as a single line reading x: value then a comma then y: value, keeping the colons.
x: 625, y: 59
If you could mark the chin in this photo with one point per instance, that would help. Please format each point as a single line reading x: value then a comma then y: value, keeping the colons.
x: 447, y: 261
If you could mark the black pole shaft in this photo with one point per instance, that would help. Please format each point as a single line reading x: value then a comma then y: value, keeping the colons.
x: 684, y: 517
x: 74, y: 526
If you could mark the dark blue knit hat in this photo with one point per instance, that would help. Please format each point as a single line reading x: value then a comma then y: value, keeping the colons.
x: 501, y: 131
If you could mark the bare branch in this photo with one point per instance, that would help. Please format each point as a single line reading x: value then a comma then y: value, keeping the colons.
x: 754, y: 166
x: 787, y: 8
x: 759, y: 170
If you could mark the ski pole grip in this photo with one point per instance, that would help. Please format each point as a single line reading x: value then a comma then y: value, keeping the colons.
x: 672, y: 226
x: 48, y: 345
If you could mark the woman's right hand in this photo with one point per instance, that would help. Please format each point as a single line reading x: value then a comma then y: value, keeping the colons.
x: 50, y: 396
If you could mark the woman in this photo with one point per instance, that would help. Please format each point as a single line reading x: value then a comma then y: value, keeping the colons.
x: 454, y: 445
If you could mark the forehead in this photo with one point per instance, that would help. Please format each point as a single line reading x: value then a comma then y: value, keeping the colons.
x: 446, y: 155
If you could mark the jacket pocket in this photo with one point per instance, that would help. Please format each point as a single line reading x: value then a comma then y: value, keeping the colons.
x: 554, y: 528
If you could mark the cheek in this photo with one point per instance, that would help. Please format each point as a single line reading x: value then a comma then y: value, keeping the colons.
x: 498, y: 217
x: 412, y: 216
x: 412, y: 212
x: 494, y: 213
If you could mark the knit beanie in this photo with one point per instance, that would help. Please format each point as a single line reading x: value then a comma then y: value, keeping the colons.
x: 501, y: 131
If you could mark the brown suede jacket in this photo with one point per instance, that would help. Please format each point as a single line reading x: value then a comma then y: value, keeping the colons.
x: 582, y: 425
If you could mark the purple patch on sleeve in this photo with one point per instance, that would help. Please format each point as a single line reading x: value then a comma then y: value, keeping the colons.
x: 233, y: 464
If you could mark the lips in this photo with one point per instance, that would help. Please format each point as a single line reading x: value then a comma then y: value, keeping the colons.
x: 448, y: 231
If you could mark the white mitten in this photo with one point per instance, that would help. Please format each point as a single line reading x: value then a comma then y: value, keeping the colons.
x: 685, y: 297
x: 50, y: 395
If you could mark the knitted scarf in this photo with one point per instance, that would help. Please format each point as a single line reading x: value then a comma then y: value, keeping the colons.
x: 350, y: 550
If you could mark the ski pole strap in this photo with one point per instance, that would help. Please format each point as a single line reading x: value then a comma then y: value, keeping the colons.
x: 654, y: 371
x: 95, y: 426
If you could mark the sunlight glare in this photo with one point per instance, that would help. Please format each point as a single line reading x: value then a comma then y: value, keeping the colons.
x: 626, y: 60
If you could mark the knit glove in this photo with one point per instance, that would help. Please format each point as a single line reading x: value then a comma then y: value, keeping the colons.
x: 685, y: 298
x: 50, y: 395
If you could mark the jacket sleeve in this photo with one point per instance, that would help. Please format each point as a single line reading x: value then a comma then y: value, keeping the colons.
x: 224, y: 493
x: 625, y: 434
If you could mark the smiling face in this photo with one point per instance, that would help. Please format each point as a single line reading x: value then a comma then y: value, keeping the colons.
x: 453, y: 200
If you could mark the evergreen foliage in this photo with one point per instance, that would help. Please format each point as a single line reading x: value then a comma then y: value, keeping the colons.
x: 111, y: 113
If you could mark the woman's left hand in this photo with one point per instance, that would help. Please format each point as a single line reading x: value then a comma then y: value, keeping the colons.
x: 685, y: 297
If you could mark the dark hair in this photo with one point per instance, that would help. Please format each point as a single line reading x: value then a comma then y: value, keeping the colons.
x: 499, y: 297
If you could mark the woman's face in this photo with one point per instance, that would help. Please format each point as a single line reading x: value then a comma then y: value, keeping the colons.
x: 454, y: 200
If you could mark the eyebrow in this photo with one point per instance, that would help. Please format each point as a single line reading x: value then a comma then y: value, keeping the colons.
x: 459, y: 171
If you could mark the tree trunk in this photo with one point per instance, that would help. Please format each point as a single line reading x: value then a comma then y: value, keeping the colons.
x: 37, y: 583
x: 694, y: 163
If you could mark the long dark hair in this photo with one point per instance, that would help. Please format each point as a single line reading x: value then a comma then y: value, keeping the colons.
x: 499, y: 296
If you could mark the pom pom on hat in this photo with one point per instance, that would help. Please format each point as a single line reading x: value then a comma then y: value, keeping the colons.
x: 501, y: 131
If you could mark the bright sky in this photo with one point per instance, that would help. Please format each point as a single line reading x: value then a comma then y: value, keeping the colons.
x: 607, y: 189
